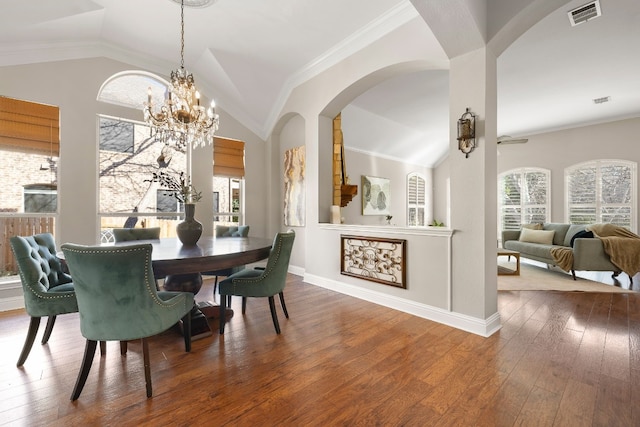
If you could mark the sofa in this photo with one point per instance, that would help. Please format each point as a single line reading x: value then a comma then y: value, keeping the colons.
x: 537, y: 241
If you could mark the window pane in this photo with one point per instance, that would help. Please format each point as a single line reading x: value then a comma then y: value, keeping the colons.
x: 116, y: 135
x: 582, y: 215
x: 125, y: 176
x: 23, y: 173
x: 416, y: 200
x: 535, y: 215
x: 41, y: 198
x: 582, y: 186
x: 617, y: 215
x: 536, y: 188
x: 226, y: 199
x: 510, y: 218
x: 616, y: 184
x: 420, y: 221
x: 510, y: 193
x: 523, y: 197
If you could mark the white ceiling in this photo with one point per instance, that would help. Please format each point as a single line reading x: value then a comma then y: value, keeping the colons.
x: 250, y: 54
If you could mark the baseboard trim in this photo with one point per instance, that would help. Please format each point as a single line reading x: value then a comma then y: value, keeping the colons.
x: 482, y: 327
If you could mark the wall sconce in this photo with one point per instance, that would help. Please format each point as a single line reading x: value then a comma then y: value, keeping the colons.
x: 467, y: 133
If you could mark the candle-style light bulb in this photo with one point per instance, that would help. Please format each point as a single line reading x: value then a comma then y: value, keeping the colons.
x: 149, y: 93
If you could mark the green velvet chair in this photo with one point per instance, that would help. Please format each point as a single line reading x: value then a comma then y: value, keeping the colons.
x: 133, y: 234
x: 261, y: 283
x: 118, y: 301
x: 127, y: 234
x: 223, y: 231
x: 48, y: 290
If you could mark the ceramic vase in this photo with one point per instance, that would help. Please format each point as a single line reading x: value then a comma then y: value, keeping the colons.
x: 189, y: 230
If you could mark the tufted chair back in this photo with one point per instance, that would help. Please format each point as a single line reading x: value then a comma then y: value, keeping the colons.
x: 47, y: 288
x: 129, y: 234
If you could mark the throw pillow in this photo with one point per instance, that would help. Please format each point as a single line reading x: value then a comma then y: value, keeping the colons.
x: 534, y: 226
x: 544, y: 237
x: 582, y: 235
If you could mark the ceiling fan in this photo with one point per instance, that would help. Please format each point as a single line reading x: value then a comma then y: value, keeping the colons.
x: 506, y: 139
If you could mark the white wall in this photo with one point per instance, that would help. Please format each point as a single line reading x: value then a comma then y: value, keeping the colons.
x: 359, y: 164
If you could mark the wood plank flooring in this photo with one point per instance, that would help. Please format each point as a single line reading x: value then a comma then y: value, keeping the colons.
x: 560, y: 359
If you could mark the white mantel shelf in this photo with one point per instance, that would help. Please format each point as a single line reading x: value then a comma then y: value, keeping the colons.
x: 389, y: 229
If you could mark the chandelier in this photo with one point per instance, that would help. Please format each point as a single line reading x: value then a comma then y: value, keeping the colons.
x: 181, y: 119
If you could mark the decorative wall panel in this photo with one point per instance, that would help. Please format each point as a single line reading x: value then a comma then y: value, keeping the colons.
x: 376, y: 259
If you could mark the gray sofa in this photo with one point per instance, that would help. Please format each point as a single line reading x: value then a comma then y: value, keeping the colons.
x: 588, y: 253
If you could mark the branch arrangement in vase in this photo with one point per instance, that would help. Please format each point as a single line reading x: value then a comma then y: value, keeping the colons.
x: 177, y: 185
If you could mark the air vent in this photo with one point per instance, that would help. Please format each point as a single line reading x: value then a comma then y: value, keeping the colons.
x: 602, y: 100
x: 584, y: 13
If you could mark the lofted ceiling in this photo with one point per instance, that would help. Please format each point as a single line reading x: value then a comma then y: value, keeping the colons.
x: 250, y: 54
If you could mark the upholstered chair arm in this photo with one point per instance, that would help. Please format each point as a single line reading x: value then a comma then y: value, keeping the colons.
x: 510, y: 235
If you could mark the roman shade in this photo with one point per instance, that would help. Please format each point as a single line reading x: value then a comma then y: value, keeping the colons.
x: 30, y: 126
x: 228, y: 157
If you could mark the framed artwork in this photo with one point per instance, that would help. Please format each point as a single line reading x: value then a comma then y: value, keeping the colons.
x: 294, y: 190
x: 375, y: 259
x: 376, y: 195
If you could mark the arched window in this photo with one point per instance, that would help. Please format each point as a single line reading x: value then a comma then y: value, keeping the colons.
x: 523, y: 197
x: 416, y: 200
x: 131, y: 89
x: 601, y: 191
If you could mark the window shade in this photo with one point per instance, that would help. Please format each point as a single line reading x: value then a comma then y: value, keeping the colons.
x: 30, y: 126
x: 228, y: 157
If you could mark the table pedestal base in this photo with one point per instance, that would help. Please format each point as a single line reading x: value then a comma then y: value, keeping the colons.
x: 190, y: 283
x: 212, y: 310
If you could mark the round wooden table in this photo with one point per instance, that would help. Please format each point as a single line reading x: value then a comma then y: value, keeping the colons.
x: 169, y: 256
x: 181, y: 266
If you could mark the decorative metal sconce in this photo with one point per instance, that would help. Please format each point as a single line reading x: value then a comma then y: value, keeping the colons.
x: 467, y: 133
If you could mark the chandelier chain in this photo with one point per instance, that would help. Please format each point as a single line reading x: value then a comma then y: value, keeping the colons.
x: 182, y: 34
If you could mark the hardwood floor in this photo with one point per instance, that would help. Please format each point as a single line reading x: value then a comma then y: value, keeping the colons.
x: 561, y: 359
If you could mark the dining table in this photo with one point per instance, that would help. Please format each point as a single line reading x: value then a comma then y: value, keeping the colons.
x: 180, y: 266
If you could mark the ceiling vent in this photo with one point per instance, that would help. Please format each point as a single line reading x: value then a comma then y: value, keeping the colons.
x: 584, y: 13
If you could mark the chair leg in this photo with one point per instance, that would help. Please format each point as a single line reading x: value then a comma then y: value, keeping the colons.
x: 47, y: 330
x: 284, y: 306
x: 244, y: 305
x: 223, y: 312
x: 87, y: 360
x: 34, y: 324
x: 147, y: 366
x: 186, y: 331
x: 103, y: 348
x: 215, y: 286
x: 573, y: 273
x: 274, y: 316
x: 123, y: 348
